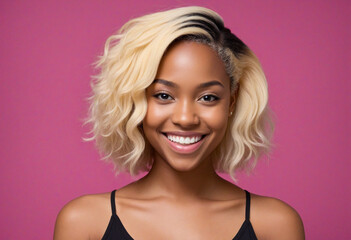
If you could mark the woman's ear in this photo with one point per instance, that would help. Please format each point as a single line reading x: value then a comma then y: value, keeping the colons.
x: 233, y: 98
x: 232, y: 105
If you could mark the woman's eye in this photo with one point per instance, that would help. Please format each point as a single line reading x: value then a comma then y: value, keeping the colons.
x: 163, y: 96
x: 209, y: 98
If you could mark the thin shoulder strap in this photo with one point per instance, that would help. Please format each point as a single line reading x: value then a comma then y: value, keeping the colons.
x: 247, y: 211
x: 113, y: 203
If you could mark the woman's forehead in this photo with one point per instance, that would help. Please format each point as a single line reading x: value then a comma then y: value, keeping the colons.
x: 190, y: 61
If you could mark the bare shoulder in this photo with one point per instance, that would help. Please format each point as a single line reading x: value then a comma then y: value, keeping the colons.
x: 275, y: 219
x: 85, y: 217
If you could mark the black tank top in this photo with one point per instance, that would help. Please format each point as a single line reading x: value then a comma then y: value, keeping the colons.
x: 116, y: 231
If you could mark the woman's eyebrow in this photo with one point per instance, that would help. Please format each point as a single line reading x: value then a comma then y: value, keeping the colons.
x: 165, y: 82
x: 210, y: 83
x: 202, y: 85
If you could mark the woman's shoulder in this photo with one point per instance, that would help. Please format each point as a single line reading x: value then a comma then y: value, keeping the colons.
x: 85, y: 217
x: 85, y: 205
x: 274, y: 219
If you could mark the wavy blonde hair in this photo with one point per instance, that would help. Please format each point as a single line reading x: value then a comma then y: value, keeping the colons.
x: 129, y: 65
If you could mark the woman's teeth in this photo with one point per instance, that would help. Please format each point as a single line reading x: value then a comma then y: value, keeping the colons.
x: 184, y: 140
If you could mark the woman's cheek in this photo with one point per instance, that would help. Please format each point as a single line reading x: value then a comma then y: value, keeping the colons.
x: 156, y: 113
x: 217, y: 118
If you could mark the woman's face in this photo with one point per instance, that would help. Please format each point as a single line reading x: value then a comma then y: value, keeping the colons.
x: 188, y: 106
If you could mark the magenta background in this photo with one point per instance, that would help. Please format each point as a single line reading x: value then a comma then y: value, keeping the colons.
x: 47, y: 48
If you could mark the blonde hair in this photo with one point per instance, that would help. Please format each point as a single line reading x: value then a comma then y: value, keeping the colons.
x: 129, y: 65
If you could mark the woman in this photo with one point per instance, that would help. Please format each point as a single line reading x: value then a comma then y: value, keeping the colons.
x: 181, y: 97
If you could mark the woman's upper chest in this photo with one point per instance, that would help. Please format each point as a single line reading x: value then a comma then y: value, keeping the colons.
x: 181, y: 219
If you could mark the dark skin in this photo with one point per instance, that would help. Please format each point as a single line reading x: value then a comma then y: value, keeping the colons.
x: 182, y: 197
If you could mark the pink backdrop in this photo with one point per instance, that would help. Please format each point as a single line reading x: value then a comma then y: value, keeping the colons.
x: 47, y: 48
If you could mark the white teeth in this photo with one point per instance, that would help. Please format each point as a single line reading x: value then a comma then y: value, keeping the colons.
x: 184, y: 140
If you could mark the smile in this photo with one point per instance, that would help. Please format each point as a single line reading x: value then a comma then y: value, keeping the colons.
x: 184, y: 140
x: 185, y: 143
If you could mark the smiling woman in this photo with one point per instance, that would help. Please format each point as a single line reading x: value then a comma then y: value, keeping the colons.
x: 178, y: 95
x: 188, y: 105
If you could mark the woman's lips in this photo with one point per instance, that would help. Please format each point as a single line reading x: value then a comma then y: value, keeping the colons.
x: 184, y: 143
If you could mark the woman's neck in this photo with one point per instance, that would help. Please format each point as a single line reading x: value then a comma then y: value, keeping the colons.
x: 163, y: 180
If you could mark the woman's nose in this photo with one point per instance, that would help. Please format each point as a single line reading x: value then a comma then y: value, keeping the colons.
x: 185, y: 114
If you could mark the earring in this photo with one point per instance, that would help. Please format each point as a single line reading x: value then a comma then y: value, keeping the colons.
x: 231, y: 113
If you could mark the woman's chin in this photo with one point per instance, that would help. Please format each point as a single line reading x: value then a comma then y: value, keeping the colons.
x: 185, y: 165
